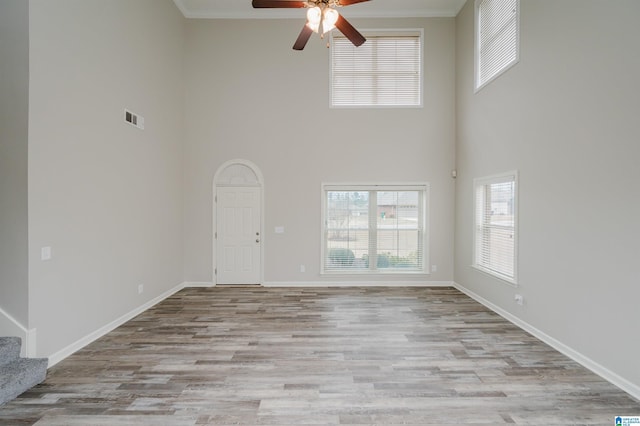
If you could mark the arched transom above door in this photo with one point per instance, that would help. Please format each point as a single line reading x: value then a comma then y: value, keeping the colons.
x: 238, y: 174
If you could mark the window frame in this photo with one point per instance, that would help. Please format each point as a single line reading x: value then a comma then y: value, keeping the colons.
x: 511, y: 176
x: 477, y: 84
x: 372, y: 270
x: 370, y: 33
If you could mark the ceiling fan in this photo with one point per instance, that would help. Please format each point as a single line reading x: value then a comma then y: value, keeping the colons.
x: 319, y: 13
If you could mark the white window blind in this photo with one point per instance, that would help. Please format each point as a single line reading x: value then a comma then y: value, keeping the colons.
x: 384, y: 71
x: 495, y: 226
x: 497, y: 38
x: 367, y: 230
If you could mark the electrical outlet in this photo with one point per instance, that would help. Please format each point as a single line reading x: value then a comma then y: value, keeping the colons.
x: 303, y: 268
x: 434, y: 268
x: 519, y: 299
x: 45, y: 253
x: 140, y: 288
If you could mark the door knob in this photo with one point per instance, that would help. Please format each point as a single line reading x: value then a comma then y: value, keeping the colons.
x: 257, y: 240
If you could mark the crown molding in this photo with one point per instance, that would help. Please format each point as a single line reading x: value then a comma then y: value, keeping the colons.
x: 242, y: 12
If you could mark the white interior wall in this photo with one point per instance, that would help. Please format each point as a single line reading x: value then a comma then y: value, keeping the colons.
x: 14, y: 95
x: 105, y: 196
x: 566, y: 117
x: 250, y: 96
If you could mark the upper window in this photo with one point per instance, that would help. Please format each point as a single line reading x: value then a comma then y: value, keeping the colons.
x: 385, y: 71
x: 497, y: 38
x: 374, y: 229
x: 495, y: 226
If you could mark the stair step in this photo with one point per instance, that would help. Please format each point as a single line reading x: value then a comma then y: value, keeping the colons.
x: 9, y: 349
x: 20, y: 375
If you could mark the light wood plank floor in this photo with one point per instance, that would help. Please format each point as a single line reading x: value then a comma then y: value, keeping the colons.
x: 359, y: 356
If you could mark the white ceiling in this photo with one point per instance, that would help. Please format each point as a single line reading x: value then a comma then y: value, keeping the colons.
x: 232, y: 9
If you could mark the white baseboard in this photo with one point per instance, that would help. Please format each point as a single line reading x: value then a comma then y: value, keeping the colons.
x: 9, y: 326
x: 338, y: 284
x: 624, y: 384
x: 358, y: 283
x: 29, y: 344
x: 81, y: 343
x: 198, y: 284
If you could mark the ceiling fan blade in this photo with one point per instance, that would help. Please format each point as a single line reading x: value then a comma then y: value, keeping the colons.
x: 303, y: 38
x: 349, y: 2
x: 278, y: 4
x: 349, y: 31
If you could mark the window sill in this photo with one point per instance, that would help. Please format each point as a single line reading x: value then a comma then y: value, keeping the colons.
x: 503, y: 278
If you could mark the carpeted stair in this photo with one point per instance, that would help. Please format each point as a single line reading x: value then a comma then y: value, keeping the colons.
x: 18, y: 374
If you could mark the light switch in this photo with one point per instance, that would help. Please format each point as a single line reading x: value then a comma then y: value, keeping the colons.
x: 45, y: 253
x: 279, y: 229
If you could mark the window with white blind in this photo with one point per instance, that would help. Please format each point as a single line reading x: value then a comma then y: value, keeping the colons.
x: 374, y: 229
x: 497, y: 38
x: 386, y: 71
x: 495, y: 226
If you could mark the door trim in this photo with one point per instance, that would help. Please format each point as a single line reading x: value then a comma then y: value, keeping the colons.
x: 227, y: 175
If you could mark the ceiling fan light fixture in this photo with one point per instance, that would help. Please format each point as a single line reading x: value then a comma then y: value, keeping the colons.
x: 314, y: 15
x: 319, y: 12
x: 330, y: 17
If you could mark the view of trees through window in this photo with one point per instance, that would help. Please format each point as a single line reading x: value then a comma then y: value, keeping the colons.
x: 373, y: 230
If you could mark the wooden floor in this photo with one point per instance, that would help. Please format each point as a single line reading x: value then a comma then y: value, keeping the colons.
x: 361, y: 356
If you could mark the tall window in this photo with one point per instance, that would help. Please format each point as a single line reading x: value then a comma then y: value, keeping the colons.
x: 385, y: 71
x: 495, y: 226
x: 497, y: 38
x: 374, y: 229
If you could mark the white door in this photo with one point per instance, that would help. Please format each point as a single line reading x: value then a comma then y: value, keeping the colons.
x: 238, y: 235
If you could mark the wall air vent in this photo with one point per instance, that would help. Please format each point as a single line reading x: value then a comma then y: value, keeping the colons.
x: 134, y: 119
